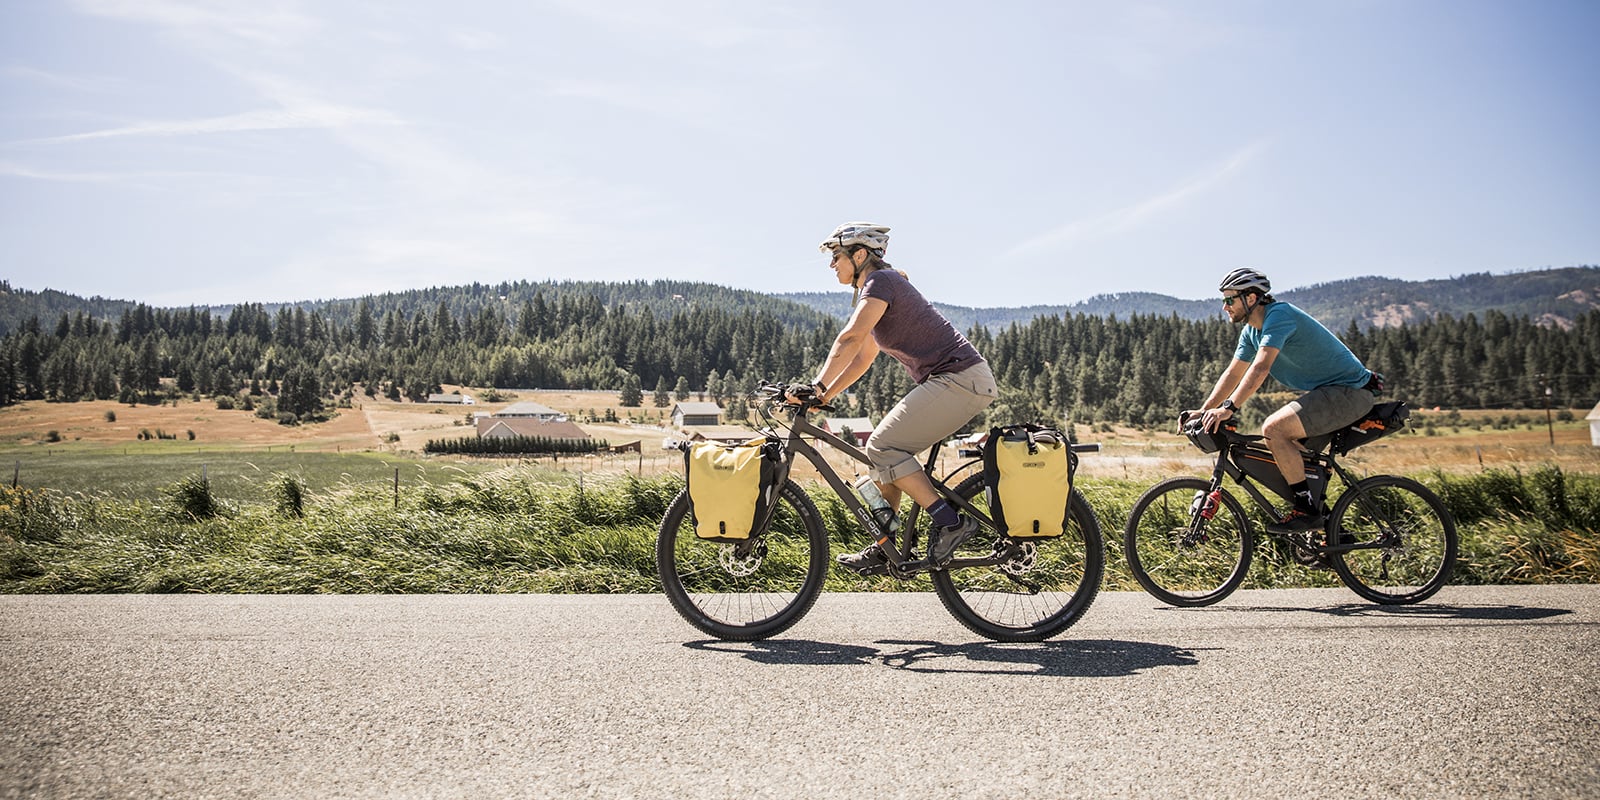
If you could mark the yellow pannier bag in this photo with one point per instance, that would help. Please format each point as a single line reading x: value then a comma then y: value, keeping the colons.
x: 729, y: 487
x: 1030, y: 478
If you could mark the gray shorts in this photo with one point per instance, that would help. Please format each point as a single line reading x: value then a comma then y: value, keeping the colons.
x: 938, y: 407
x: 1326, y: 409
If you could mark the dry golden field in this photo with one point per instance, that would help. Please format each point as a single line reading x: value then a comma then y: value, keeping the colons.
x: 376, y: 425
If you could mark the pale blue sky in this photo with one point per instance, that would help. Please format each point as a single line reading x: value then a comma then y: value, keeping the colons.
x: 180, y: 151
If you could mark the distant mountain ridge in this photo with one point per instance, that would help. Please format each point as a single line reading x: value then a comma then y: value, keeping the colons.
x: 1547, y: 296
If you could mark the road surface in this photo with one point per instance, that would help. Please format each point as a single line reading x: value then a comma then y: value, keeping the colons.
x: 1483, y: 691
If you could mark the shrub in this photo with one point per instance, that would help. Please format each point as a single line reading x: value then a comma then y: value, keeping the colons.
x: 226, y: 403
x: 288, y: 418
x: 52, y: 436
x: 111, y: 416
x: 191, y: 499
x: 288, y: 495
x: 513, y: 445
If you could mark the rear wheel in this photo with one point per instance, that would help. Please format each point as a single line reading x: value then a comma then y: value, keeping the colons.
x: 1408, y: 540
x: 747, y: 590
x: 1000, y: 602
x: 1178, y: 555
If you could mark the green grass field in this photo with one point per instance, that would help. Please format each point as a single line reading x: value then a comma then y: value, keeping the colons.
x: 240, y: 476
x: 491, y: 527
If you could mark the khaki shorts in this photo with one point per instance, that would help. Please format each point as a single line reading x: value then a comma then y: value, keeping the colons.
x: 938, y: 407
x: 1326, y: 409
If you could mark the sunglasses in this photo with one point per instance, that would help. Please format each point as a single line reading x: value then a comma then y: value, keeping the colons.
x: 1227, y: 299
x: 837, y: 254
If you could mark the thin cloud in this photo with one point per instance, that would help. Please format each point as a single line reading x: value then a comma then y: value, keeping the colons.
x: 274, y: 24
x: 1131, y: 217
x: 58, y: 80
x: 14, y: 170
x: 265, y: 120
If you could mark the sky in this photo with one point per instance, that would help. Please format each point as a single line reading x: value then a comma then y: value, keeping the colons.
x: 180, y: 152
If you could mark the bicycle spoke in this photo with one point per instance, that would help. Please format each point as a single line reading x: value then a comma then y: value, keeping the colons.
x: 1412, y: 538
x: 1177, y: 553
x: 1067, y: 569
x: 749, y: 596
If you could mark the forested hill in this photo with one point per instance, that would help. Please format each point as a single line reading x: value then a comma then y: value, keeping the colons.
x: 294, y: 361
x: 663, y: 298
x: 1550, y: 297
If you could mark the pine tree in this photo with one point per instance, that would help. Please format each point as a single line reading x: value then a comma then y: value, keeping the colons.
x: 632, y: 395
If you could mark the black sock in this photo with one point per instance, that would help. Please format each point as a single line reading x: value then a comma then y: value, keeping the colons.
x: 944, y: 515
x: 1302, y: 497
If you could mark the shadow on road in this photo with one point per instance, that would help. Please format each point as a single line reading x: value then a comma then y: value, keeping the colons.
x: 1094, y: 658
x: 1501, y: 613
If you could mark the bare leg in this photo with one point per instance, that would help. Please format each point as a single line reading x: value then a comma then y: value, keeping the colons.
x: 1284, y: 434
x: 917, y: 485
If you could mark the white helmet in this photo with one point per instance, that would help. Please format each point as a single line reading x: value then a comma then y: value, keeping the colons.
x: 1245, y: 279
x: 873, y: 237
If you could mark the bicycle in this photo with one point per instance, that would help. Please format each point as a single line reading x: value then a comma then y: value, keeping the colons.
x: 1189, y: 543
x: 1019, y: 590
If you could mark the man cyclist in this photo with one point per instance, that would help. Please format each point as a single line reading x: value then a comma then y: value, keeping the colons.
x: 1280, y: 340
x: 954, y: 382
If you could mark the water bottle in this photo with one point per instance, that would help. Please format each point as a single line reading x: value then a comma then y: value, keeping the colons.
x: 887, y: 520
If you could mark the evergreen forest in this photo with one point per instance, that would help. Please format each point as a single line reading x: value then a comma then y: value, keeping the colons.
x: 1139, y: 369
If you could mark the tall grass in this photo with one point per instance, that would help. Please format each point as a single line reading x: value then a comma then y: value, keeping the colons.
x: 520, y: 529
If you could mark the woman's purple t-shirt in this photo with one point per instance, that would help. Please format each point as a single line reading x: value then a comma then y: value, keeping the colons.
x: 913, y: 331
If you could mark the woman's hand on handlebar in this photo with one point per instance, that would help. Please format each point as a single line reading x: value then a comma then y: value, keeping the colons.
x: 804, y: 395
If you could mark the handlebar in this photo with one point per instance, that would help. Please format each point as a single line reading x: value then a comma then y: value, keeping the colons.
x: 777, y: 394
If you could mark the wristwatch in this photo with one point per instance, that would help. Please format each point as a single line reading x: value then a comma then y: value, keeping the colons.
x: 1228, y: 404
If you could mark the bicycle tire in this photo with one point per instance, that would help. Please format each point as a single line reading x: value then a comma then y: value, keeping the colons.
x: 751, y: 598
x: 1067, y: 568
x: 1181, y: 565
x: 1418, y: 537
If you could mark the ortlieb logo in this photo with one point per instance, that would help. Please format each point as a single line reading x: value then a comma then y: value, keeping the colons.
x: 722, y: 467
x: 1032, y: 464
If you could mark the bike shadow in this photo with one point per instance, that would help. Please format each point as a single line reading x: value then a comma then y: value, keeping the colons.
x: 1491, y: 613
x: 1090, y: 658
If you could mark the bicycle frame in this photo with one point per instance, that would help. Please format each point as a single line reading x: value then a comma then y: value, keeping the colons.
x: 1227, y: 465
x: 901, y: 564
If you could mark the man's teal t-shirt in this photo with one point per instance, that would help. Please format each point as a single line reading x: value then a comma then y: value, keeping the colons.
x: 1309, y: 355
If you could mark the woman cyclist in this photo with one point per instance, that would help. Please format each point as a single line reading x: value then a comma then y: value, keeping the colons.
x: 954, y: 382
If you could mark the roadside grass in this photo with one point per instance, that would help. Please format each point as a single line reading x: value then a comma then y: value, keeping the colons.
x: 529, y: 529
x: 242, y: 476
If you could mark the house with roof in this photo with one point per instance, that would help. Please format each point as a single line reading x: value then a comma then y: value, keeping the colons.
x: 686, y: 415
x: 531, y: 410
x: 1594, y: 425
x: 496, y: 427
x: 453, y: 398
x: 859, y: 427
x: 722, y: 434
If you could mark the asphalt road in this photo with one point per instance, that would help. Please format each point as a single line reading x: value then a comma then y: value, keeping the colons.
x: 1485, y: 691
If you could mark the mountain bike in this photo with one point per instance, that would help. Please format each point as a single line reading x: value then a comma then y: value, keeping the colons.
x: 1189, y: 542
x: 1006, y: 589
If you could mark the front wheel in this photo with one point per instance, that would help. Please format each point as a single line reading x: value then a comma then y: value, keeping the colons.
x: 1000, y: 602
x: 1185, y: 547
x: 1405, y: 540
x: 748, y: 590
